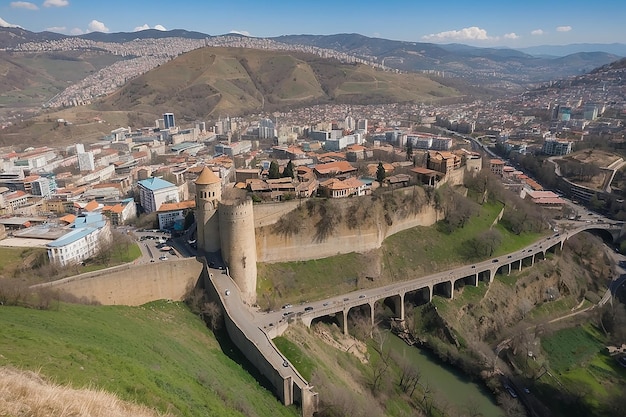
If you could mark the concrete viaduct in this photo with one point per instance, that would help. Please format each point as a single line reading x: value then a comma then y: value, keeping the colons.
x: 443, y: 283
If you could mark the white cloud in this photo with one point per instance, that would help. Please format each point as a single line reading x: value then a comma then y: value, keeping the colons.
x: 511, y: 35
x: 56, y: 3
x: 145, y: 26
x: 473, y: 33
x: 5, y: 24
x: 97, y: 26
x: 537, y: 32
x: 563, y: 28
x: 61, y: 29
x: 77, y: 31
x: 24, y: 5
x: 240, y: 32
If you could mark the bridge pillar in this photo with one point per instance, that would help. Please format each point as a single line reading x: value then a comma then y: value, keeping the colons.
x: 398, y: 305
x: 520, y: 264
x: 509, y: 268
x: 430, y: 293
x: 343, y: 321
x: 474, y: 279
x: 492, y: 274
x: 372, y: 304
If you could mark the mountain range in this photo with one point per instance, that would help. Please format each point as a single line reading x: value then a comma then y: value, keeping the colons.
x: 485, y: 66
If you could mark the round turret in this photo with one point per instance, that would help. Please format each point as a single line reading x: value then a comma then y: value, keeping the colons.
x: 208, y: 195
x: 236, y: 218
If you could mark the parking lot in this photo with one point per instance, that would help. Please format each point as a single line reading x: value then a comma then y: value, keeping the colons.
x: 156, y: 246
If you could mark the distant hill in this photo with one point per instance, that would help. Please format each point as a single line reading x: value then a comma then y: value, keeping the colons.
x: 10, y: 37
x: 616, y: 65
x: 120, y: 37
x: 618, y: 49
x: 484, y: 65
x: 218, y: 81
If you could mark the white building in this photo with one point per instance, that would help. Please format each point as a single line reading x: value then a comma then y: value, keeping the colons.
x: 89, y: 233
x: 154, y: 191
x: 86, y: 161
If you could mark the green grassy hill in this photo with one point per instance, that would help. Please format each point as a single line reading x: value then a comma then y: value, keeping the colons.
x: 213, y: 81
x: 159, y: 355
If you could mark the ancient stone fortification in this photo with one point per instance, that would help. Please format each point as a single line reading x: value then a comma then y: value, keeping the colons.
x: 236, y: 224
x: 274, y: 246
x: 133, y: 284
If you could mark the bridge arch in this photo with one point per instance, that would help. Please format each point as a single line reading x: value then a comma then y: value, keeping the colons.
x: 467, y: 280
x: 419, y: 296
x: 445, y: 288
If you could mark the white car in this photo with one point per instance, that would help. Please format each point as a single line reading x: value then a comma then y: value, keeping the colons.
x: 163, y: 258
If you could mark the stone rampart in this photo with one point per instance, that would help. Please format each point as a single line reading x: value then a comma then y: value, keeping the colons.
x: 266, y: 214
x: 133, y: 284
x: 306, y: 245
x: 258, y: 348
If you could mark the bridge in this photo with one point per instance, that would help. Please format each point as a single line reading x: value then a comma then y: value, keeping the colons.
x: 443, y: 283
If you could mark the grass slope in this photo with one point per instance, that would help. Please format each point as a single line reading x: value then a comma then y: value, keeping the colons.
x: 158, y: 355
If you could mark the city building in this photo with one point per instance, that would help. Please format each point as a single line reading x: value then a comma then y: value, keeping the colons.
x: 496, y: 166
x: 86, y: 161
x: 155, y: 191
x: 168, y: 120
x: 553, y: 146
x: 88, y: 234
x: 172, y: 215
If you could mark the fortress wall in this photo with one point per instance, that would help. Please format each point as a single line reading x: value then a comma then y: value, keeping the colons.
x: 273, y: 247
x: 133, y: 284
x: 269, y: 213
x: 426, y: 217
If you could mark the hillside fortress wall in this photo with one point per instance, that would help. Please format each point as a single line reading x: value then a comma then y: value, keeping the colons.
x: 305, y: 245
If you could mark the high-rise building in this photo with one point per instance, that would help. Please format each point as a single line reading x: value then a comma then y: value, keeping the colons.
x: 168, y: 119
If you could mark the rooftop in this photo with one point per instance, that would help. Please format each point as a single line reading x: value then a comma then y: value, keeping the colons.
x: 154, y: 184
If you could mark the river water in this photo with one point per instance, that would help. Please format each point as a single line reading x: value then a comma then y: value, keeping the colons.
x: 447, y: 383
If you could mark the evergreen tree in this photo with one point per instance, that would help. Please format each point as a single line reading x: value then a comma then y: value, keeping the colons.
x: 274, y: 171
x: 380, y: 173
x: 288, y: 171
x: 409, y: 150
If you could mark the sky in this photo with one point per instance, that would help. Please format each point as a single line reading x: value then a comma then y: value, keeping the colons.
x: 484, y: 23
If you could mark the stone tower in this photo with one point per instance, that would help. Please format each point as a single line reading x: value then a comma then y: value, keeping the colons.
x: 208, y: 196
x: 236, y: 223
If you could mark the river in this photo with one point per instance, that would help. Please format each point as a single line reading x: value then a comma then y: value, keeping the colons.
x: 446, y: 382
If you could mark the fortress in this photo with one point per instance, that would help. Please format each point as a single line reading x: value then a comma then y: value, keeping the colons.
x: 242, y: 233
x: 227, y: 225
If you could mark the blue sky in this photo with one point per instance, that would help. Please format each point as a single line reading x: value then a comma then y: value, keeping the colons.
x: 479, y: 22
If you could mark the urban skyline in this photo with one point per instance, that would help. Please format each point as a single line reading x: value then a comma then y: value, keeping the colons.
x: 488, y: 23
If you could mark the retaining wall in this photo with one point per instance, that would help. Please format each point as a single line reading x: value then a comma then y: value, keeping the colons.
x: 133, y: 284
